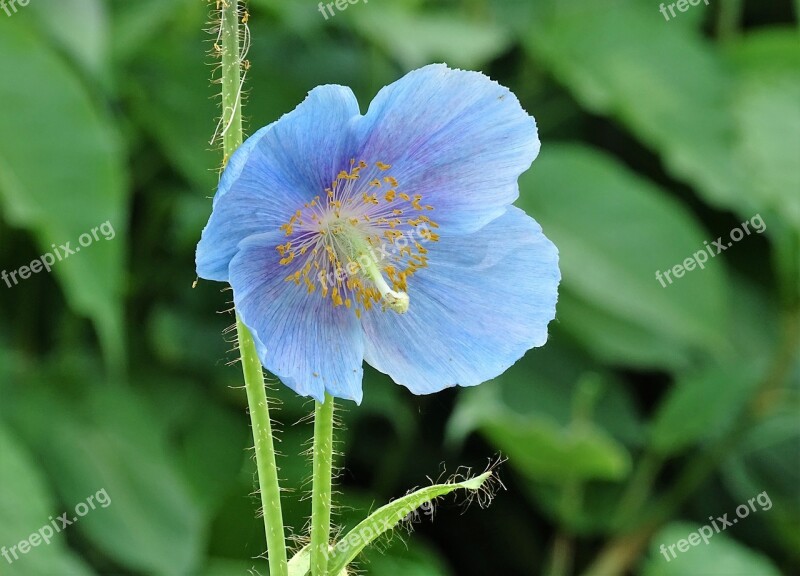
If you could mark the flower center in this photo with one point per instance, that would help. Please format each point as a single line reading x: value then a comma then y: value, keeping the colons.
x: 361, y: 243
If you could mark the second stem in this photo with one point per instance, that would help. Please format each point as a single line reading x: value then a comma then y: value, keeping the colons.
x: 321, y: 489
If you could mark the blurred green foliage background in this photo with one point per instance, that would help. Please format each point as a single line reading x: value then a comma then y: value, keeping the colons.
x: 650, y: 409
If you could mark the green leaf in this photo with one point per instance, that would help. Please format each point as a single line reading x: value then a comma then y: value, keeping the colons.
x: 615, y: 340
x: 614, y: 231
x: 672, y: 91
x: 538, y: 415
x: 768, y: 118
x: 418, y: 561
x: 756, y: 326
x: 448, y: 37
x: 701, y: 406
x: 300, y: 563
x: 110, y: 440
x: 768, y: 51
x: 722, y: 555
x: 514, y: 14
x: 390, y: 515
x: 135, y: 24
x: 587, y: 511
x: 209, y: 455
x: 26, y: 506
x: 768, y: 124
x: 62, y: 175
x: 294, y: 15
x: 82, y: 28
x: 767, y: 457
x: 767, y: 461
x: 548, y: 452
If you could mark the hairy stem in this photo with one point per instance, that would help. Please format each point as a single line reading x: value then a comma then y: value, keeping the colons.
x: 231, y: 78
x: 265, y: 453
x: 251, y: 365
x: 321, y: 490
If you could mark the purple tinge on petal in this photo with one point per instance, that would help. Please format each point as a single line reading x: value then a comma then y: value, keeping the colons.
x: 456, y: 137
x: 275, y: 171
x: 485, y: 299
x: 301, y: 338
x: 488, y: 289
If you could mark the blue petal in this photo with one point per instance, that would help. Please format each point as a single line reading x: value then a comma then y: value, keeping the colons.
x: 301, y: 338
x: 456, y: 137
x: 485, y: 299
x: 275, y: 171
x: 237, y: 161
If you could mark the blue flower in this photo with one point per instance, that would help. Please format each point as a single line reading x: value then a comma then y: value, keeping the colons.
x: 388, y: 238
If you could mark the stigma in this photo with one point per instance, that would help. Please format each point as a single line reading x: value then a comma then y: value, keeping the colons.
x: 359, y: 243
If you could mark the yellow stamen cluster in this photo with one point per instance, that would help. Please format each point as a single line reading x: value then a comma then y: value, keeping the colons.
x: 342, y: 244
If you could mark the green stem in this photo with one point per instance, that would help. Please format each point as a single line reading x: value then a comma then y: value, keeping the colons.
x: 231, y: 78
x: 251, y: 365
x: 265, y: 452
x: 321, y: 490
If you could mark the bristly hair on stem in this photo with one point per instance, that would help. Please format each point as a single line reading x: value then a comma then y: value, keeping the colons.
x: 229, y: 25
x: 322, y: 482
x: 232, y: 102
